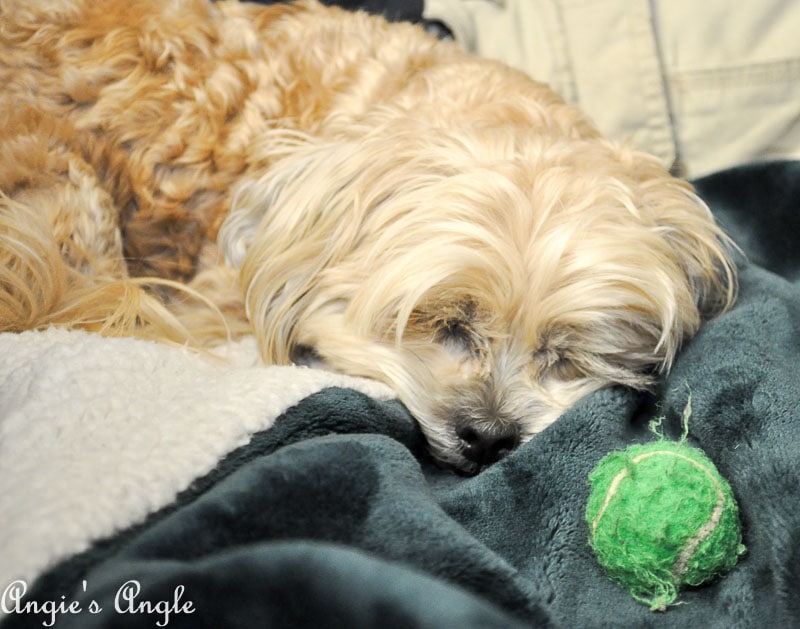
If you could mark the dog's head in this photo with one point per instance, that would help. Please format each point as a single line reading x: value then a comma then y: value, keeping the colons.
x: 492, y: 278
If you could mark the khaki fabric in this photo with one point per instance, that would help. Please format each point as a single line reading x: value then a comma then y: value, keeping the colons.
x: 703, y: 85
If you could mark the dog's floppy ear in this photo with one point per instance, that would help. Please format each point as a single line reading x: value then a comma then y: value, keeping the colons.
x: 356, y: 230
x: 333, y: 226
x: 284, y: 228
x: 703, y: 250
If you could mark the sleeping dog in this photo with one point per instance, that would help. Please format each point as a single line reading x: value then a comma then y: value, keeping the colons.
x: 359, y: 195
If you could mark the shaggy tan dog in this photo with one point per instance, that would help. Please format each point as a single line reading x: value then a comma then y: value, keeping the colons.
x: 385, y: 205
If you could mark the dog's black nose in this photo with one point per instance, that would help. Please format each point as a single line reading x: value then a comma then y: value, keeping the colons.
x: 485, y: 445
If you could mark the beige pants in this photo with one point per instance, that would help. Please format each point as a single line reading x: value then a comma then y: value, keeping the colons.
x: 703, y: 85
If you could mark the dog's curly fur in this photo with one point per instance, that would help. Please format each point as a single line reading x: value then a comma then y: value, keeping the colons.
x: 386, y: 205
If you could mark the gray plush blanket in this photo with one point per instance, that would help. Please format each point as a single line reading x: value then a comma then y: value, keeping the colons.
x: 326, y: 511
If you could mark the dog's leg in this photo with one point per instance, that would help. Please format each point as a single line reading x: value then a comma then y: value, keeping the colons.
x: 60, y: 246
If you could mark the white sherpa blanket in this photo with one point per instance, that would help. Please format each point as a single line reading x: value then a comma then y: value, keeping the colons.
x: 96, y: 433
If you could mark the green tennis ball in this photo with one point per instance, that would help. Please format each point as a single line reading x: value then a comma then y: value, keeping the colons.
x: 660, y: 517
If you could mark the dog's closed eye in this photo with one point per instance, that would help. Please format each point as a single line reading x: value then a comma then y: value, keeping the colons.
x: 457, y: 335
x: 557, y: 364
x: 553, y: 357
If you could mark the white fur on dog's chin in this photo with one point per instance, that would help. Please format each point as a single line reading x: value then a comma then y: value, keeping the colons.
x: 584, y: 263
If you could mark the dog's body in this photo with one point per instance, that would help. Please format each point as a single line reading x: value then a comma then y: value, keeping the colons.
x: 387, y: 205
